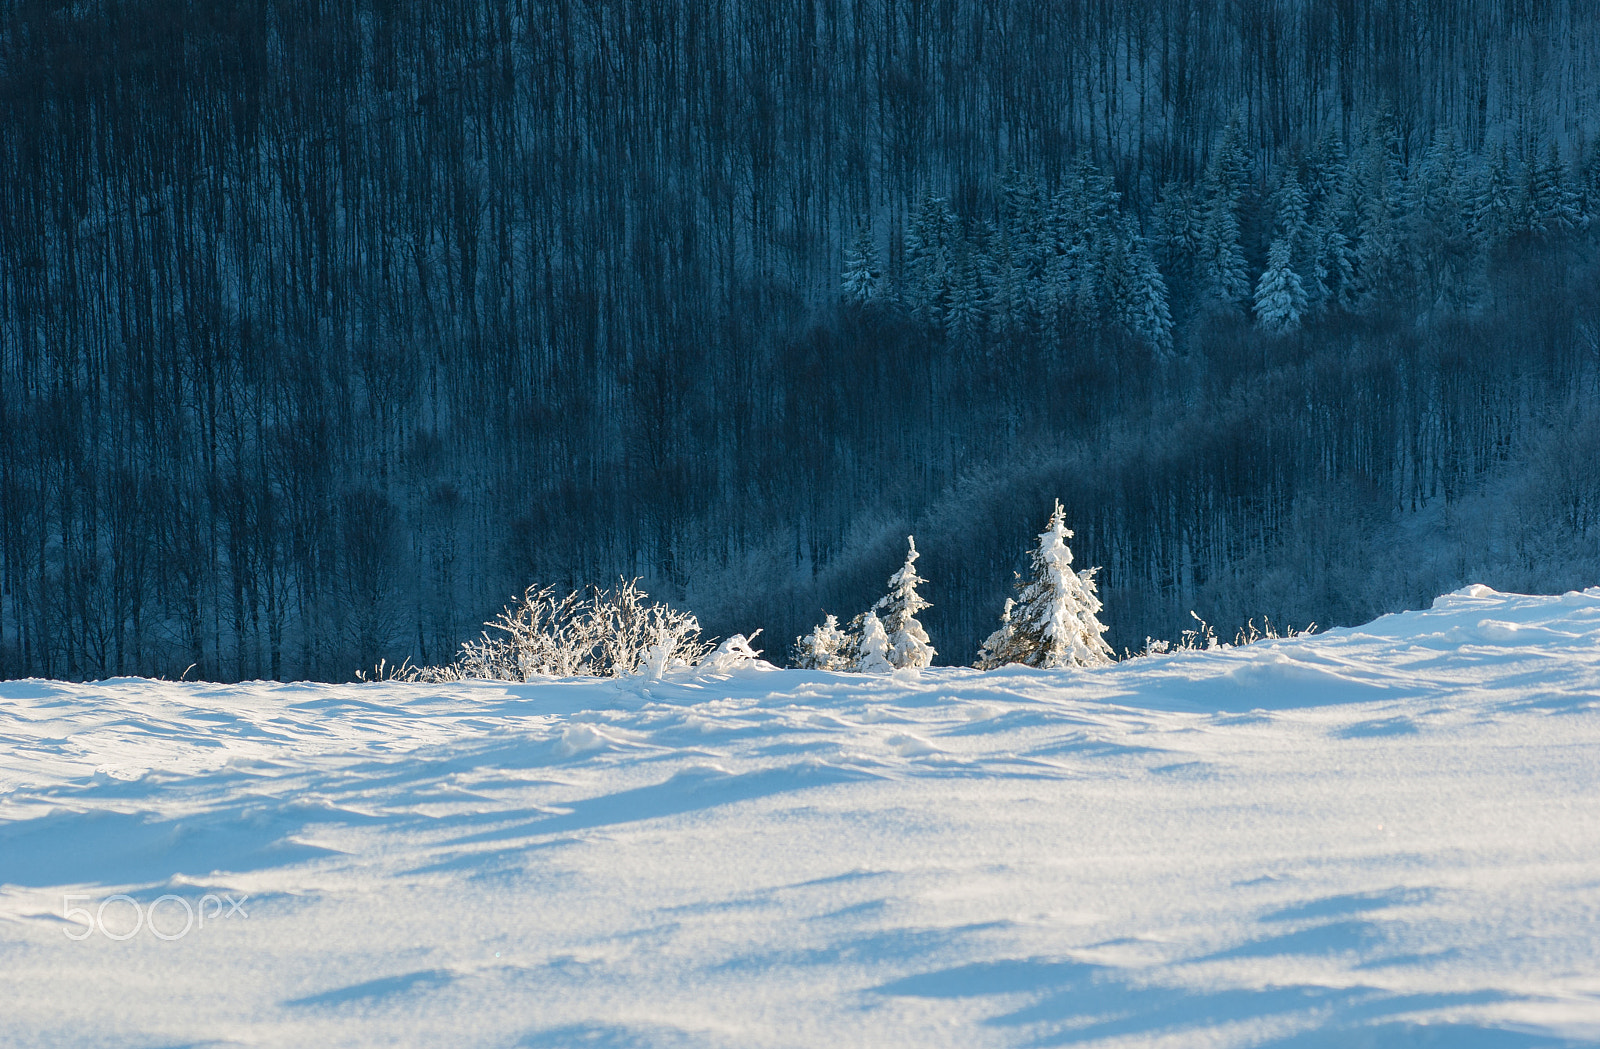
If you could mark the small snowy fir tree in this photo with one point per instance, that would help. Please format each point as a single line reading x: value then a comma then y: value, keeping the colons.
x: 1052, y: 624
x: 1589, y: 187
x: 863, y: 278
x: 1495, y: 210
x: 1280, y: 297
x: 823, y: 648
x: 1334, y: 269
x: 1222, y: 258
x: 1554, y: 207
x: 908, y: 642
x: 1138, y: 295
x: 1325, y: 169
x: 872, y: 651
x: 929, y: 242
x: 1177, y: 222
x: 964, y: 314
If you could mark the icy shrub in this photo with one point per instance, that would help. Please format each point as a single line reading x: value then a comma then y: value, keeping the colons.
x: 1204, y: 637
x: 601, y: 633
x: 733, y: 654
x: 1248, y: 634
x: 384, y: 670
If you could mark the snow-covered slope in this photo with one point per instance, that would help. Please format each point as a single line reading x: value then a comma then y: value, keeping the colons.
x: 1386, y: 836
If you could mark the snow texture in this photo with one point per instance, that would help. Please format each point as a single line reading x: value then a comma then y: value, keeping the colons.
x: 1381, y: 836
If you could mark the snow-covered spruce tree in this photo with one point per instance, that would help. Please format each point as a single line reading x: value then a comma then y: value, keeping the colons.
x: 1496, y: 210
x: 1589, y: 186
x: 1052, y: 623
x: 1280, y: 297
x: 1141, y: 298
x: 1291, y: 210
x: 1221, y: 257
x: 825, y: 648
x: 964, y: 313
x: 1006, y: 278
x: 1376, y: 197
x: 1553, y: 206
x: 872, y: 651
x: 1082, y: 224
x: 908, y: 642
x: 1176, y: 225
x: 862, y: 281
x: 1439, y: 225
x: 1325, y: 169
x: 930, y: 241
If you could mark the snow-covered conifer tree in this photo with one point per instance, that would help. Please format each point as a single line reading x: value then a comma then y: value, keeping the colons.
x: 1376, y: 200
x: 1137, y: 293
x: 1078, y: 221
x: 1280, y: 297
x: 1440, y: 227
x: 1495, y: 214
x: 872, y: 651
x: 1052, y: 623
x: 1176, y: 225
x: 824, y: 648
x: 1221, y: 257
x: 1290, y: 209
x: 1325, y: 170
x: 1005, y: 276
x: 1222, y: 260
x: 908, y: 642
x: 929, y: 247
x: 863, y: 278
x: 1330, y: 279
x: 1589, y: 186
x: 1553, y: 206
x: 963, y: 316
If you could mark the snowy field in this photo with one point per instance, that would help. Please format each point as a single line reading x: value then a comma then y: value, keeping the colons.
x: 1385, y: 836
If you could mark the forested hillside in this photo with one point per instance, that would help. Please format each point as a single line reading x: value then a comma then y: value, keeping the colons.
x: 325, y: 329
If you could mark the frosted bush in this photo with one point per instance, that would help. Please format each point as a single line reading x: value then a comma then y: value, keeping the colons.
x: 733, y: 654
x: 601, y: 633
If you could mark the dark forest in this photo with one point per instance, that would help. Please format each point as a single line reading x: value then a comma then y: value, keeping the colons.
x: 325, y: 329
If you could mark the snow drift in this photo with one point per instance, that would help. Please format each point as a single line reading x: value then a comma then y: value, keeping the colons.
x: 1385, y: 836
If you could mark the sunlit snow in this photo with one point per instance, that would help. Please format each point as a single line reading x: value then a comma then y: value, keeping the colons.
x: 1384, y: 836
